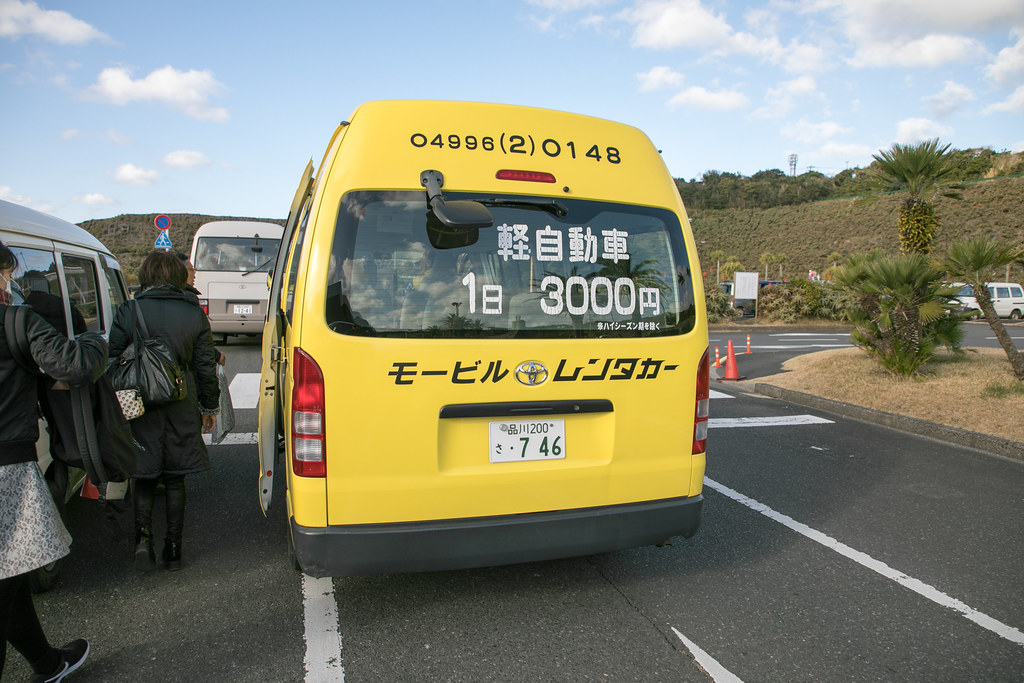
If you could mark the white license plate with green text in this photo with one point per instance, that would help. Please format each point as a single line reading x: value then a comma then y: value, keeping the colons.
x: 241, y: 309
x: 521, y: 440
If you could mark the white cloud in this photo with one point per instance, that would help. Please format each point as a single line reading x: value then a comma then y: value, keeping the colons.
x: 7, y: 193
x: 27, y: 18
x: 932, y: 50
x: 909, y: 131
x: 186, y: 159
x: 920, y: 32
x: 95, y: 199
x: 1008, y: 66
x: 1013, y: 104
x: 952, y: 97
x: 702, y: 98
x: 665, y: 24
x: 1017, y: 147
x: 670, y: 24
x: 780, y: 100
x: 805, y: 131
x: 659, y: 77
x: 186, y: 91
x: 130, y: 174
x: 70, y: 134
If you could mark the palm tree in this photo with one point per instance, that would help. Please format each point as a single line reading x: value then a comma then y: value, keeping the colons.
x: 780, y: 259
x: 729, y: 268
x: 921, y: 170
x: 970, y: 260
x: 766, y: 258
x: 901, y: 316
x: 717, y: 255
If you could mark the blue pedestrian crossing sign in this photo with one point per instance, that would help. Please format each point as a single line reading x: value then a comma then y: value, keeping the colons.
x: 163, y: 241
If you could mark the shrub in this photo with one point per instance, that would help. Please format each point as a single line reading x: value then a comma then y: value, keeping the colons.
x: 791, y: 301
x: 718, y: 305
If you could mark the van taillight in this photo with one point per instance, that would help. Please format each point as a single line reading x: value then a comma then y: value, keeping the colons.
x: 309, y: 447
x: 205, y: 305
x: 703, y: 399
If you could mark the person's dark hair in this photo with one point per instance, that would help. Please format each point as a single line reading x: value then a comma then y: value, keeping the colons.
x: 8, y: 260
x: 181, y: 255
x: 162, y: 268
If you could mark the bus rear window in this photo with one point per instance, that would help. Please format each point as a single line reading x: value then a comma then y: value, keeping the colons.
x: 239, y: 254
x: 601, y: 270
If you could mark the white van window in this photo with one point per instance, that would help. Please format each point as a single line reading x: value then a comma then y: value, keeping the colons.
x: 40, y: 287
x: 571, y: 268
x: 83, y: 288
x: 239, y: 254
x: 114, y: 282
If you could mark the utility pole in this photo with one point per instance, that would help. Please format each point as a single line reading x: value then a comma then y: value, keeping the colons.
x: 792, y: 165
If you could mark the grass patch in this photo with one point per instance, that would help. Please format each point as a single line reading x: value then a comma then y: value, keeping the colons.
x: 975, y: 391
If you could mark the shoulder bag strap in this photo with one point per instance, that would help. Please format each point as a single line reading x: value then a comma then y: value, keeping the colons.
x: 17, y: 338
x: 141, y: 321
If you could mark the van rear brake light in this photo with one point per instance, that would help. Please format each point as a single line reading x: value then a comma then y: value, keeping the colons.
x: 528, y: 176
x: 309, y: 443
x: 702, y: 404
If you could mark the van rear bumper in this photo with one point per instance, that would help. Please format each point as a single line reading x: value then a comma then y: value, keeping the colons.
x: 354, y: 550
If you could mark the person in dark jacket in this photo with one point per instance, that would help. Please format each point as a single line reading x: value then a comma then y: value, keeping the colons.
x: 170, y: 437
x: 32, y: 534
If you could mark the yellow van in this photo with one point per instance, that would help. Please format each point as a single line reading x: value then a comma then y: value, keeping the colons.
x: 486, y: 344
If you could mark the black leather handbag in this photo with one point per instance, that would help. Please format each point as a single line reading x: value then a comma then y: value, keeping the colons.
x: 148, y: 365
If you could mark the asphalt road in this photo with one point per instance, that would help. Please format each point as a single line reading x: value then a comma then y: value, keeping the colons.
x: 831, y: 549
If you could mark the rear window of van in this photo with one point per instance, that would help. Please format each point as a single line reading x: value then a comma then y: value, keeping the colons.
x: 546, y: 268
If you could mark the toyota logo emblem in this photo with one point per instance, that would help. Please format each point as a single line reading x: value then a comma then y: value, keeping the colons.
x: 531, y: 373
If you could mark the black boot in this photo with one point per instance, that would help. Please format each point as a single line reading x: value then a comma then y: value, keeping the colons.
x: 145, y: 559
x: 172, y: 555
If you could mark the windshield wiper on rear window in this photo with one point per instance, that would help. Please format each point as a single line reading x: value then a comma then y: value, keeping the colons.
x: 258, y: 268
x: 552, y: 206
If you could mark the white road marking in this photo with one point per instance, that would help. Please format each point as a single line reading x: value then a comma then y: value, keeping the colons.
x: 719, y: 394
x: 706, y: 662
x: 323, y: 641
x: 783, y: 421
x: 1010, y: 633
x: 810, y: 334
x: 783, y: 347
x: 245, y: 390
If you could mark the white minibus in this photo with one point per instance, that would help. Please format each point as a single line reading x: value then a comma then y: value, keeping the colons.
x: 232, y: 259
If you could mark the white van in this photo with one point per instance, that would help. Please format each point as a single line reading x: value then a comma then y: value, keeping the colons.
x: 75, y: 283
x: 1007, y: 299
x: 232, y: 259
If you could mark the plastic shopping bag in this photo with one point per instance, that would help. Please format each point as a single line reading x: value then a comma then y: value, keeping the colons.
x: 226, y: 418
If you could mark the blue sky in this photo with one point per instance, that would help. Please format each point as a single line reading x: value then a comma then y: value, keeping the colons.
x: 121, y: 106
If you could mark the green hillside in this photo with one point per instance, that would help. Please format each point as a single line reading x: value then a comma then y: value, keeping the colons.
x: 806, y: 233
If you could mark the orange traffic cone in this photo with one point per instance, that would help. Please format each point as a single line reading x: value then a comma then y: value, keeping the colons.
x: 731, y: 373
x: 89, y: 490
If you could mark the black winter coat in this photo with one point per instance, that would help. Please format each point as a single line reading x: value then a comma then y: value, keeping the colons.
x: 77, y: 362
x: 170, y: 437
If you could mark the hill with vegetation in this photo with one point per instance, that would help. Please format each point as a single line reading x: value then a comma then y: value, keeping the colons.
x: 131, y: 236
x: 805, y: 222
x: 813, y: 235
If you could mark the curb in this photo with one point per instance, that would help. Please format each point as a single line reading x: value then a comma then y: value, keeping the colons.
x: 961, y: 437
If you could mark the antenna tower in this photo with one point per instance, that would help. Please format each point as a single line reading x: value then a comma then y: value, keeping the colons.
x: 792, y: 165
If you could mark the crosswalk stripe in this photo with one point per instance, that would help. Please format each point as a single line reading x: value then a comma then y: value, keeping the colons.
x: 783, y: 421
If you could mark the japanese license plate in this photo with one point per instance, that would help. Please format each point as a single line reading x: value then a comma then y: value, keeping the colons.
x: 243, y: 309
x: 527, y: 440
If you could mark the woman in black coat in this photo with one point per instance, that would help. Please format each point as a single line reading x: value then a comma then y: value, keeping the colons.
x: 169, y: 437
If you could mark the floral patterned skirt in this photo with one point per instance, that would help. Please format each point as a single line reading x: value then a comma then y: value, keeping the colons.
x: 32, y: 534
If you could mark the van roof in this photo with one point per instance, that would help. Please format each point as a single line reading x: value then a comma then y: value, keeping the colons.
x: 239, y: 228
x: 18, y: 218
x: 387, y: 144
